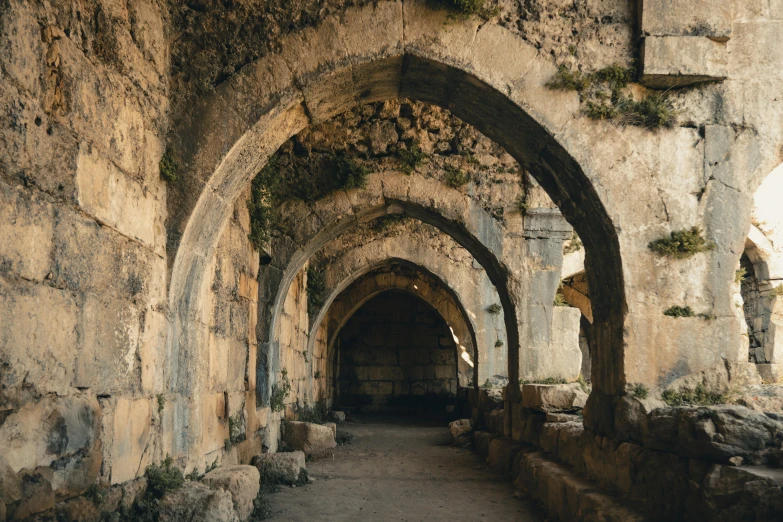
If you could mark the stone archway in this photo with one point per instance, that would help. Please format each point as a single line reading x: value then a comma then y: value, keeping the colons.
x: 321, y: 71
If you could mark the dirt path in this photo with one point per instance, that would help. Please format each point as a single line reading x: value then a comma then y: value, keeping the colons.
x: 398, y: 470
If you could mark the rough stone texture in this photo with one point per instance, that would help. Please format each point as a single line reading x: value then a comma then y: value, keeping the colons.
x: 313, y: 439
x: 337, y: 416
x: 198, y: 503
x: 553, y: 397
x: 243, y: 482
x: 280, y: 467
x: 676, y: 61
x: 102, y: 303
x: 460, y: 427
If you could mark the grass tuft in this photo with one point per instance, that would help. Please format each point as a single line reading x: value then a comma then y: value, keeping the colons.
x: 280, y: 392
x: 494, y: 308
x: 679, y: 311
x: 168, y: 167
x: 682, y: 244
x: 698, y: 396
x: 640, y: 391
x: 455, y: 177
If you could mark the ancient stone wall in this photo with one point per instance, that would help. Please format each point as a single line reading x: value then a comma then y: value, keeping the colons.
x: 396, y: 354
x: 83, y: 287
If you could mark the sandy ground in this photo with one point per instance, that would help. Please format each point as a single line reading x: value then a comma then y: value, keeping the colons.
x: 402, y: 470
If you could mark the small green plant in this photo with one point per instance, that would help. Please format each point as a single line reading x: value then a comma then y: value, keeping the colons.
x: 707, y: 317
x: 211, y: 466
x: 455, y: 177
x: 348, y: 172
x: 317, y: 374
x: 521, y: 204
x: 194, y: 475
x: 699, y: 396
x: 601, y: 93
x: 575, y: 245
x: 498, y: 343
x: 640, y: 391
x: 740, y: 275
x: 164, y: 478
x: 682, y: 244
x: 168, y: 167
x: 550, y: 380
x: 227, y: 444
x: 161, y: 402
x: 569, y: 79
x: 235, y: 429
x: 95, y: 494
x: 411, y: 158
x: 679, y: 311
x: 304, y: 355
x: 777, y: 291
x: 280, y: 392
x: 487, y: 384
x: 384, y: 223
x: 494, y: 309
x: 560, y: 300
x: 316, y: 287
x: 583, y: 384
x: 315, y: 414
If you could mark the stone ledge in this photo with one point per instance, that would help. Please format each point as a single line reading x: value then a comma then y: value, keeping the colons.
x: 564, y: 495
x: 677, y: 61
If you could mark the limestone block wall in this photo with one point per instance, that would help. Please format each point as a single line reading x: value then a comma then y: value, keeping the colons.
x: 395, y: 353
x: 83, y: 287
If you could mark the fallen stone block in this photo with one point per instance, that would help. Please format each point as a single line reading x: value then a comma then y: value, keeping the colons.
x: 243, y: 482
x: 332, y: 426
x: 553, y: 397
x: 502, y: 453
x: 481, y: 441
x: 460, y: 427
x: 196, y: 502
x: 314, y: 439
x: 337, y: 416
x: 277, y: 468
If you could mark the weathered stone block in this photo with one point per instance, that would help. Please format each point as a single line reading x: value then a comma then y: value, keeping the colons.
x: 501, y: 455
x: 198, y: 503
x: 556, y: 397
x: 337, y: 416
x: 130, y: 427
x: 710, y: 18
x: 243, y: 482
x: 280, y: 467
x: 39, y: 336
x: 481, y: 441
x: 313, y: 439
x: 26, y: 226
x: 676, y: 61
x: 119, y: 201
x: 460, y: 427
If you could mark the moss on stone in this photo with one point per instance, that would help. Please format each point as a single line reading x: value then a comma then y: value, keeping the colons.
x: 456, y: 177
x: 494, y: 308
x: 316, y: 287
x: 168, y: 167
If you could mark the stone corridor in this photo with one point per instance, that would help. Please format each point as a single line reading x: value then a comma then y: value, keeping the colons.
x: 402, y: 469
